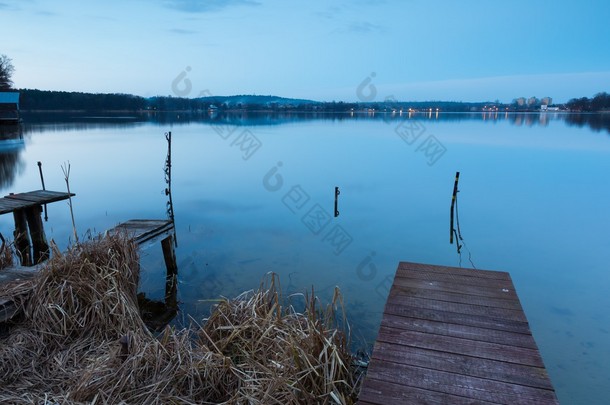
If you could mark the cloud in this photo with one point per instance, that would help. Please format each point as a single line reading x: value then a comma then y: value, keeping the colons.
x: 44, y: 13
x: 205, y: 6
x: 365, y: 27
x: 330, y: 13
x: 180, y: 31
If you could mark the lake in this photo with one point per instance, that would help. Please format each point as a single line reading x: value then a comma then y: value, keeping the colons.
x: 254, y: 193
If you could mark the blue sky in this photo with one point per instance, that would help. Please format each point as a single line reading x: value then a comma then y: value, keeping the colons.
x: 323, y: 50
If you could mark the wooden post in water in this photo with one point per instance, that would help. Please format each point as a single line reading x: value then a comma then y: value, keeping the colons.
x: 39, y: 239
x: 453, y: 199
x: 169, y: 254
x: 22, y: 238
x: 171, y: 278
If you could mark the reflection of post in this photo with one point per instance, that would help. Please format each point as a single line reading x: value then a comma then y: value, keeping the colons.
x: 158, y: 314
x: 39, y: 239
x: 22, y: 238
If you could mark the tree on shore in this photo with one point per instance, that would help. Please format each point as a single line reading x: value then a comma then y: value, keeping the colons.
x: 6, y: 72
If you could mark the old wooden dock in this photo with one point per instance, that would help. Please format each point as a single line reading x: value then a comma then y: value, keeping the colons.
x: 142, y: 231
x: 30, y: 239
x: 454, y: 336
x: 13, y: 202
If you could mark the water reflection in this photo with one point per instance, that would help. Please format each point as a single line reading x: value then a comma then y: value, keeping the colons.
x: 41, y: 122
x: 597, y: 122
x: 157, y: 314
x: 11, y: 146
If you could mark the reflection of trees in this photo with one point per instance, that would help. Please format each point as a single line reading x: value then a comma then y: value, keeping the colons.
x: 43, y: 122
x: 10, y: 158
x: 597, y: 122
x: 10, y: 165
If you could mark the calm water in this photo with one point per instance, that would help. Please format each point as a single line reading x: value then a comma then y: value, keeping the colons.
x: 533, y: 201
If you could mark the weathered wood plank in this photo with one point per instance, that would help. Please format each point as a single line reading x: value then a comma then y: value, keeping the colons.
x: 389, y: 393
x: 409, y: 268
x: 468, y: 347
x: 460, y: 331
x: 480, y: 389
x: 39, y: 197
x: 458, y: 279
x: 467, y: 365
x: 7, y: 205
x: 459, y: 308
x: 14, y: 202
x: 435, y: 293
x: 448, y: 286
x: 457, y: 318
x: 143, y: 230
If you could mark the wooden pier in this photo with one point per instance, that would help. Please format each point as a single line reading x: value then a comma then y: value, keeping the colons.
x: 454, y: 336
x: 156, y: 314
x: 148, y: 230
x: 141, y: 231
x: 30, y: 238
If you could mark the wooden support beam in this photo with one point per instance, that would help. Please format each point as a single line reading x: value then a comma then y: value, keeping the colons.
x: 37, y: 235
x: 22, y: 237
x: 169, y: 254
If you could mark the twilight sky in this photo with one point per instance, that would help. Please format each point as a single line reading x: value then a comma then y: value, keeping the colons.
x: 323, y: 50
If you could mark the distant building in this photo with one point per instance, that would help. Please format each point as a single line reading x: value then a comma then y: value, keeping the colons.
x: 9, y: 107
x: 546, y: 101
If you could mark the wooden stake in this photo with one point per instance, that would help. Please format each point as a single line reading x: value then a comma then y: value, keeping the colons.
x: 39, y: 239
x: 22, y: 238
x: 171, y: 278
x: 455, y: 191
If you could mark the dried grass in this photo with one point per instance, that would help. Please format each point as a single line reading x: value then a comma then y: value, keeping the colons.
x: 6, y: 255
x: 81, y: 340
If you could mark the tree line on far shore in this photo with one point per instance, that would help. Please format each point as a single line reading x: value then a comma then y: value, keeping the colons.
x: 46, y: 100
x: 600, y: 102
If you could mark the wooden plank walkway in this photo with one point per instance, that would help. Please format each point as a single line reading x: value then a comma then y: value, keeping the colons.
x: 19, y: 201
x: 454, y: 336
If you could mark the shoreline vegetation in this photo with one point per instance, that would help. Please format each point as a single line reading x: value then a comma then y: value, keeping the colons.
x: 81, y: 339
x: 47, y: 100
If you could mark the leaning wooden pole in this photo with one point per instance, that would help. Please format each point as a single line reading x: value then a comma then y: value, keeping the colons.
x: 46, y: 216
x: 455, y: 191
x: 168, y: 181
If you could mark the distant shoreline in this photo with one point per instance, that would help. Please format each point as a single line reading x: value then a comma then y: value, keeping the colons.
x: 48, y: 101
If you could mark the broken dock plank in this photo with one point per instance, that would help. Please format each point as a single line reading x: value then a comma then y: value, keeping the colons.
x: 451, y: 335
x: 143, y: 230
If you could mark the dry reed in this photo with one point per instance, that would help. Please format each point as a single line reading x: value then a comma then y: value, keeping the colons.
x: 81, y: 340
x: 6, y: 255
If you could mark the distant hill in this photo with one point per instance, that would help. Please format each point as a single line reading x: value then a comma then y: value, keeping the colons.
x: 254, y: 99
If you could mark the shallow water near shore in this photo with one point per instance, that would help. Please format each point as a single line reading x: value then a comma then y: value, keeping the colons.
x: 254, y: 194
